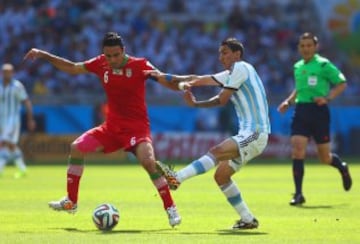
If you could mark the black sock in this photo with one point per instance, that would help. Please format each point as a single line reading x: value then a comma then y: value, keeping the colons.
x: 336, y: 162
x: 298, y: 174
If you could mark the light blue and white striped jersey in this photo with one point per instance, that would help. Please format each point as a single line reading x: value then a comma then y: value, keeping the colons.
x: 11, y: 97
x: 249, y: 100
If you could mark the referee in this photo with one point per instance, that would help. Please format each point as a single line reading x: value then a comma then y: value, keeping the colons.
x: 317, y: 82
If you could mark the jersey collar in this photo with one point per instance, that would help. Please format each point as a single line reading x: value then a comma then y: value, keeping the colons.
x: 314, y: 57
x: 124, y: 62
x: 2, y: 82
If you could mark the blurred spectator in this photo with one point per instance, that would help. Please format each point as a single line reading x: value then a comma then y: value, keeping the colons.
x: 207, y: 120
x: 40, y: 88
x: 176, y: 6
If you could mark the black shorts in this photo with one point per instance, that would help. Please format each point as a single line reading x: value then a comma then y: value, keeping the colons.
x: 312, y: 120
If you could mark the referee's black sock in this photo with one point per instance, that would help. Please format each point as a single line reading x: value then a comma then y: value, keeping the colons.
x: 298, y: 174
x: 336, y: 162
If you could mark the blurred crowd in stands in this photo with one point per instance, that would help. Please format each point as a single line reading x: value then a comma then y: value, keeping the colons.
x: 178, y: 36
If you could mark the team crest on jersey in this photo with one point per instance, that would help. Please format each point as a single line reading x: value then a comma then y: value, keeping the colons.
x: 128, y: 72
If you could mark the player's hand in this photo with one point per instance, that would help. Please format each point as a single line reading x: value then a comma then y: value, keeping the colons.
x: 184, y: 86
x: 189, y: 98
x: 31, y: 124
x: 33, y: 54
x: 320, y: 101
x: 283, y: 107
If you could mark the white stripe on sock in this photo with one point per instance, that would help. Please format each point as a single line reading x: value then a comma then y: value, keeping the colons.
x: 231, y: 190
x: 205, y: 162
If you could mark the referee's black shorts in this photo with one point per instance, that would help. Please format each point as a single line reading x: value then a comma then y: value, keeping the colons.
x: 311, y: 120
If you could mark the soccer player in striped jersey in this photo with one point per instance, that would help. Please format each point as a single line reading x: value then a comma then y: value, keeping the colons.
x: 241, y: 84
x: 12, y: 95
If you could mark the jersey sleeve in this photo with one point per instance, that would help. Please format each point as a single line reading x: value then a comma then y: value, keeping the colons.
x: 21, y: 92
x: 149, y: 66
x: 333, y: 74
x: 92, y: 65
x: 221, y: 77
x: 236, y: 77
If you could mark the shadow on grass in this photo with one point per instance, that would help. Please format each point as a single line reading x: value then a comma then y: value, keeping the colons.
x: 167, y: 231
x: 315, y: 207
x: 320, y: 206
x: 112, y: 231
x: 241, y: 232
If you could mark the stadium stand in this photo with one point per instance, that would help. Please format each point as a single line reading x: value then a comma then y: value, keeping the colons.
x: 177, y: 36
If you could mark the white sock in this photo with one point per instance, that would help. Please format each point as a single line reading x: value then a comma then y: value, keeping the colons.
x: 18, y: 159
x: 232, y: 193
x: 4, y: 157
x: 197, y: 167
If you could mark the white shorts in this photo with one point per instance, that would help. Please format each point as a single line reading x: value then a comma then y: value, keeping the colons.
x: 10, y: 133
x: 250, y: 145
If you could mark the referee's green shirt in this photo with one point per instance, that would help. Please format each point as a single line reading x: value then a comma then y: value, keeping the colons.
x: 314, y: 78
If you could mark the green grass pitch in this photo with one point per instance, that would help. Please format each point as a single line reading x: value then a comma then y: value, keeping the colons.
x: 330, y: 214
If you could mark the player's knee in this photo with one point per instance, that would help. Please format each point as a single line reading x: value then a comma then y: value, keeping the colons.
x: 217, y: 177
x: 325, y: 159
x: 85, y: 147
x: 297, y: 152
x: 75, y: 150
x: 216, y: 150
x: 11, y: 146
x: 220, y: 178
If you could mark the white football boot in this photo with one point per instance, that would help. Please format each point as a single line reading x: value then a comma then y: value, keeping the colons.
x: 174, y: 217
x: 64, y: 204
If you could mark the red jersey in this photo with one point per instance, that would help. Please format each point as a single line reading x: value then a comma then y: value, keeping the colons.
x: 124, y: 88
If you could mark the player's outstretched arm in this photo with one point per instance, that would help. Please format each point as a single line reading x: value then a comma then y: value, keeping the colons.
x: 180, y: 82
x: 169, y: 80
x: 59, y: 62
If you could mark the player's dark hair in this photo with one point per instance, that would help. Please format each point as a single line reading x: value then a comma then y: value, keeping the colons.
x: 234, y: 45
x: 112, y: 39
x: 309, y: 35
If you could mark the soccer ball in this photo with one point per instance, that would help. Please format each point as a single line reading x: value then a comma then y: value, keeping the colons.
x: 105, y: 217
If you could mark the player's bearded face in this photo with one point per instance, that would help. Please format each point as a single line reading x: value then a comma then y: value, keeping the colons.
x: 114, y: 55
x: 227, y: 57
x: 307, y: 48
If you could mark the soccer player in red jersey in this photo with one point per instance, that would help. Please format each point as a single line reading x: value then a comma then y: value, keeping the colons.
x: 127, y: 123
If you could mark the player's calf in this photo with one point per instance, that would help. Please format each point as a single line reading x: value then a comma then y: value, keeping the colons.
x: 345, y: 175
